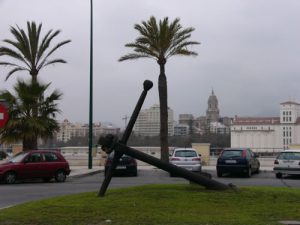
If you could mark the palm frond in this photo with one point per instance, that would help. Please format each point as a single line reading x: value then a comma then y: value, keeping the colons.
x: 182, y: 47
x: 4, y: 51
x: 42, y: 47
x: 8, y: 64
x: 24, y: 43
x: 57, y: 46
x: 13, y: 71
x: 24, y: 124
x: 46, y: 43
x: 160, y: 40
x: 29, y: 50
x: 33, y: 40
x: 51, y: 62
x: 142, y: 49
x: 133, y: 56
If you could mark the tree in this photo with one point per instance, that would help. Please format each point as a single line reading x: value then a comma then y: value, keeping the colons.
x: 30, y: 51
x: 160, y: 41
x: 24, y: 124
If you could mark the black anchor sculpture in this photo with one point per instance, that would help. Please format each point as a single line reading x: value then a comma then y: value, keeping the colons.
x: 110, y: 143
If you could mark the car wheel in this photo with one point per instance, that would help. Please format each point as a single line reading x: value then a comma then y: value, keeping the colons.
x: 219, y: 173
x: 10, y: 178
x: 249, y: 172
x: 47, y: 179
x: 278, y: 175
x: 135, y: 173
x: 257, y: 171
x: 60, y: 176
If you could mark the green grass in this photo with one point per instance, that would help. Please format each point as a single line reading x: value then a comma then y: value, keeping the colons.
x: 161, y: 204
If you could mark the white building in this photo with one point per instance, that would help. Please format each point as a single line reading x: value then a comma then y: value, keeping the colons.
x: 148, y: 122
x: 268, y: 133
x: 181, y: 130
x: 68, y: 130
x: 218, y: 128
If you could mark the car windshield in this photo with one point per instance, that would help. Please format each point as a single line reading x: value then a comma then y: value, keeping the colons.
x: 18, y: 157
x: 232, y: 153
x: 185, y: 153
x: 289, y: 156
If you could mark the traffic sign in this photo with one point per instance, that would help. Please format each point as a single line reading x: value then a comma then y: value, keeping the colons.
x: 3, y: 115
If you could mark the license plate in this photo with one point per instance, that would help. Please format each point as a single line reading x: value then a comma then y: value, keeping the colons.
x: 121, y: 167
x: 230, y: 161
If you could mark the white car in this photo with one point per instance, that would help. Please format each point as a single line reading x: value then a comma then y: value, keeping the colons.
x: 187, y: 158
x: 287, y: 162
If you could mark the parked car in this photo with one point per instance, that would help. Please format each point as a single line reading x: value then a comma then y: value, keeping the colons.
x: 237, y: 160
x: 43, y: 164
x: 287, y: 162
x: 127, y: 165
x: 187, y: 158
x: 3, y: 155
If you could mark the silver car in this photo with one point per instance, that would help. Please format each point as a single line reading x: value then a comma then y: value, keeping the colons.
x: 287, y: 162
x: 187, y: 158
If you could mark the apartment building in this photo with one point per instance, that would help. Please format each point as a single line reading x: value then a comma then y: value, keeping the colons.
x: 148, y: 122
x: 69, y: 130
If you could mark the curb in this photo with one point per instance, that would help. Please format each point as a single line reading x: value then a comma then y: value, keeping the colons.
x: 85, y: 174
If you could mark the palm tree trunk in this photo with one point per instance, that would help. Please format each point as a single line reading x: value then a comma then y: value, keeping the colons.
x: 32, y: 144
x: 29, y: 144
x: 163, y: 101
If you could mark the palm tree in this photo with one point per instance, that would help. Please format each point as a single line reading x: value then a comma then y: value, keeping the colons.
x: 24, y: 123
x: 30, y: 50
x: 160, y: 42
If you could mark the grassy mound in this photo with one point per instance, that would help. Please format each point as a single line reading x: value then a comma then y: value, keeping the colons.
x: 161, y: 204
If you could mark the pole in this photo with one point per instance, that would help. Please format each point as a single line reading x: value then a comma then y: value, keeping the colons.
x: 91, y: 93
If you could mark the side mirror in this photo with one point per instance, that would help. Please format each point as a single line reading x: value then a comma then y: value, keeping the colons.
x: 256, y: 155
x: 200, y: 155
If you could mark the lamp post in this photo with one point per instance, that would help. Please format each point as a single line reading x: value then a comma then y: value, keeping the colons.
x: 91, y: 93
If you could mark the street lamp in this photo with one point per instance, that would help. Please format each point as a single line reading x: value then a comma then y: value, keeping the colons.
x: 91, y: 93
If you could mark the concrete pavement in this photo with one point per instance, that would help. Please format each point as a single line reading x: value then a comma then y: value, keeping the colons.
x: 79, y: 171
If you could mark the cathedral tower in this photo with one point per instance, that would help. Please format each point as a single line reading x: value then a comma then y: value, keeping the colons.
x: 212, y: 112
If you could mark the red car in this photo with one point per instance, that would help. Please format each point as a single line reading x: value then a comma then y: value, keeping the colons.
x: 44, y: 164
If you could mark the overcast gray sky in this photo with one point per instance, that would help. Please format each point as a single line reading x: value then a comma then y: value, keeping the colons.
x: 249, y: 55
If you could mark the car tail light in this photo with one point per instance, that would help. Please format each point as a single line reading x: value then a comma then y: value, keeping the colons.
x: 196, y: 159
x: 133, y: 161
x: 276, y: 162
x: 244, y: 153
x: 174, y: 159
x: 108, y: 162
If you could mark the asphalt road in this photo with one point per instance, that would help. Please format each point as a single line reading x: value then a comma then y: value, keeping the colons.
x: 35, y: 190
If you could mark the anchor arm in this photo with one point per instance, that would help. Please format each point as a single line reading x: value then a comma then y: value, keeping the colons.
x: 109, y: 143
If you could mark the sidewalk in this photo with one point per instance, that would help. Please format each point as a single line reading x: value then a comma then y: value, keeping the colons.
x: 78, y: 171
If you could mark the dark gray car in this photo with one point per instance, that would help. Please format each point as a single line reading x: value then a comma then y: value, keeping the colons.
x: 238, y: 160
